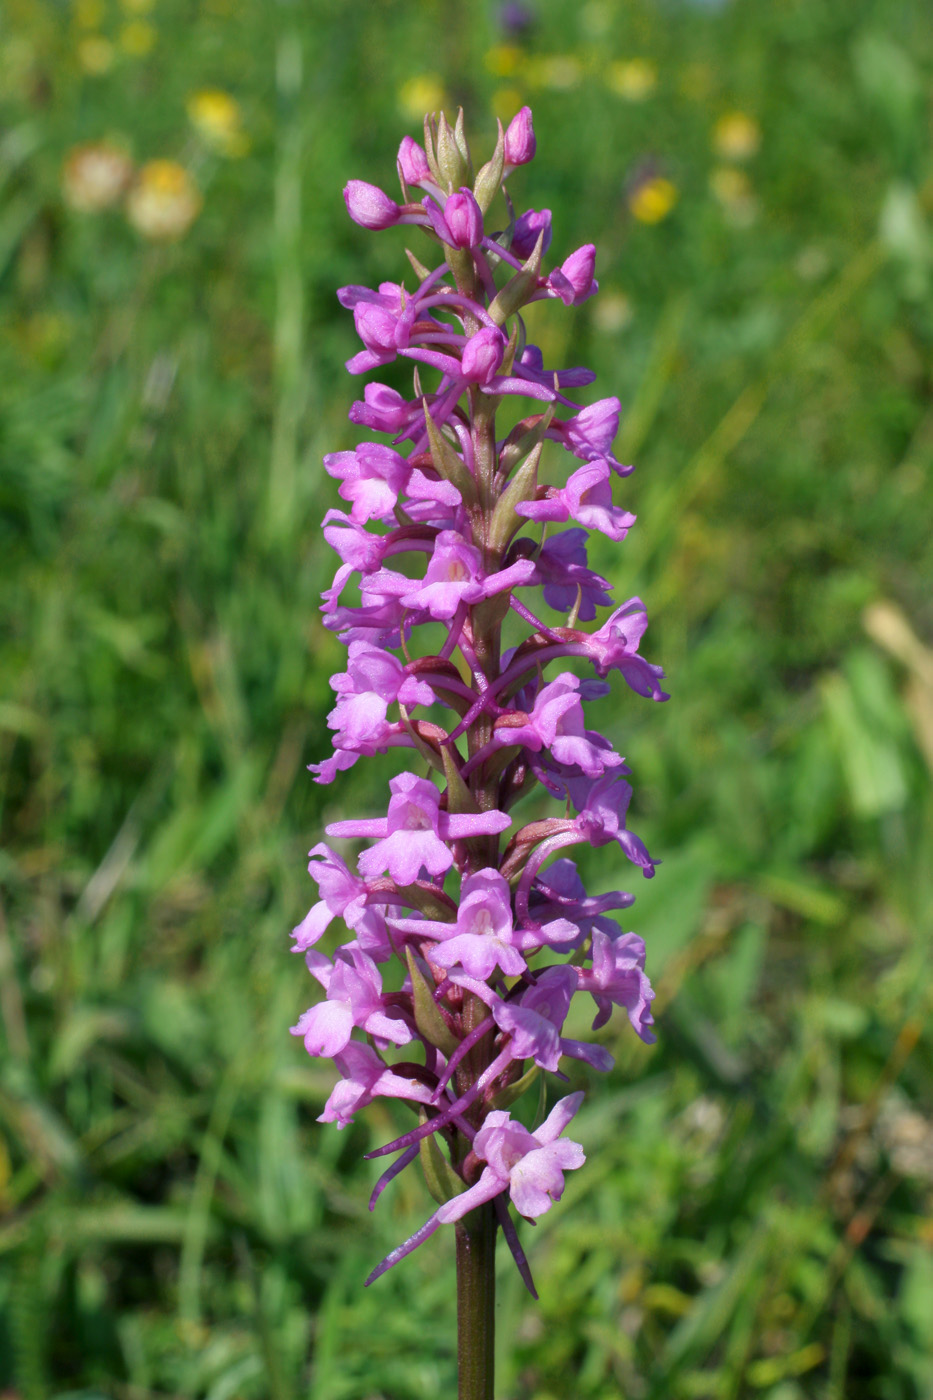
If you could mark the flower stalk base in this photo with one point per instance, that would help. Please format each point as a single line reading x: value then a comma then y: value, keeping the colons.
x: 476, y: 1302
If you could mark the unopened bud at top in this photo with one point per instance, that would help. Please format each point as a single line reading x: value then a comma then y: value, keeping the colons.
x: 412, y: 162
x: 520, y: 144
x: 369, y: 206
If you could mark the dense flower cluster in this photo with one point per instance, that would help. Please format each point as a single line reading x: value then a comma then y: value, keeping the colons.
x: 445, y: 534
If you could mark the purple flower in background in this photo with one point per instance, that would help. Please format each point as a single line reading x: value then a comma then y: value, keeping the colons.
x: 535, y: 1019
x: 602, y: 806
x: 468, y: 940
x: 515, y: 19
x: 383, y: 409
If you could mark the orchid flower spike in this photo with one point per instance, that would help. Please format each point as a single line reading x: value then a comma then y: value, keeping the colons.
x: 468, y: 934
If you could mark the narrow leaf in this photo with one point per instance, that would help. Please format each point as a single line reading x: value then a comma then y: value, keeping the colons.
x: 448, y: 463
x: 428, y: 1018
x: 514, y: 1091
x: 430, y: 129
x: 441, y: 1179
x: 515, y: 293
x: 521, y: 488
x: 462, y: 144
x: 428, y: 900
x: 459, y: 797
x: 490, y: 177
x: 421, y: 272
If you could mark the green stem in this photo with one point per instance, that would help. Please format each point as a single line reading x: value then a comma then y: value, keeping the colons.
x: 290, y: 380
x: 476, y: 1299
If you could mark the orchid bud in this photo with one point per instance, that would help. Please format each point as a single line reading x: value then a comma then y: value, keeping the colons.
x: 382, y: 408
x: 573, y: 281
x: 464, y: 219
x: 412, y: 162
x: 515, y: 19
x: 527, y: 228
x: 369, y: 206
x: 482, y: 355
x: 375, y: 326
x: 520, y: 144
x: 460, y: 223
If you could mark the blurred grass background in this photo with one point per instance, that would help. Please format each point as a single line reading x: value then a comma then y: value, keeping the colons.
x: 756, y: 1215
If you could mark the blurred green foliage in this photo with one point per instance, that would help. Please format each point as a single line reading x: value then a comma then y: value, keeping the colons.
x: 756, y: 1213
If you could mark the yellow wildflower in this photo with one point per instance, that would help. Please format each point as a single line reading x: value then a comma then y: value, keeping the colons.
x: 559, y: 72
x: 217, y: 118
x: 423, y: 93
x: 164, y: 202
x: 95, y: 176
x: 89, y: 13
x: 633, y: 78
x: 137, y: 38
x: 504, y: 60
x: 652, y: 200
x: 95, y: 55
x: 736, y: 136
